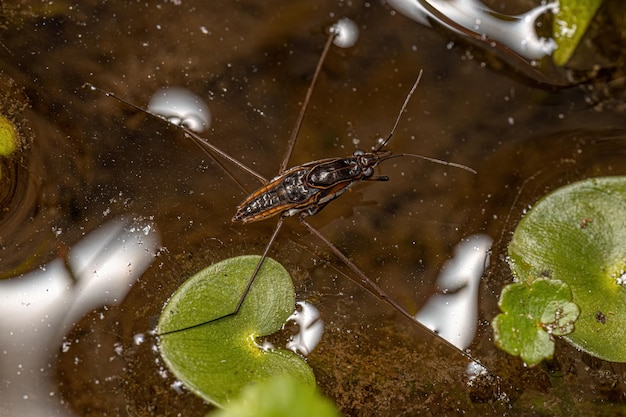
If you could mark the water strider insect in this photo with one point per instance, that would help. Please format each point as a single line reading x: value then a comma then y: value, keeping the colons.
x: 306, y: 189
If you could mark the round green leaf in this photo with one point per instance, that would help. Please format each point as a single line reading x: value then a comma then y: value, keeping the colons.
x: 532, y: 312
x: 279, y: 397
x: 577, y: 234
x: 8, y: 137
x: 218, y: 359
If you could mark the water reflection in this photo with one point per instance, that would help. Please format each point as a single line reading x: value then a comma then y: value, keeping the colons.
x: 453, y: 311
x: 516, y: 32
x: 311, y: 328
x: 181, y: 107
x: 347, y: 33
x: 37, y: 309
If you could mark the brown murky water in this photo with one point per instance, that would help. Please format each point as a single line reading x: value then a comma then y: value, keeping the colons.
x: 90, y: 159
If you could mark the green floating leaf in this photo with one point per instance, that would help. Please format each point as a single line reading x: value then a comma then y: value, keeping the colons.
x: 531, y: 313
x: 577, y: 234
x: 217, y: 360
x: 8, y: 137
x: 570, y: 24
x: 279, y: 397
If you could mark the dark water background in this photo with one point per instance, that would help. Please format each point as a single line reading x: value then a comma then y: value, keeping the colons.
x: 88, y: 159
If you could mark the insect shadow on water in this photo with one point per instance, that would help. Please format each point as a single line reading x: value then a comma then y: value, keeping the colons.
x: 304, y: 190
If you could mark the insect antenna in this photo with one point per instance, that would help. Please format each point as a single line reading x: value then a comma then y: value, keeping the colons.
x: 435, y: 160
x: 382, y: 143
x: 402, y: 109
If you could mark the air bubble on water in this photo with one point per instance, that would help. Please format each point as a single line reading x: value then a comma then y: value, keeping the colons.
x: 267, y: 345
x: 473, y: 370
x: 177, y: 386
x: 181, y: 107
x: 65, y: 346
x: 347, y: 33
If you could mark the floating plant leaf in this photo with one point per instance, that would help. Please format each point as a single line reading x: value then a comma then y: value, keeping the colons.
x: 577, y: 234
x: 218, y: 359
x: 8, y: 137
x: 531, y: 313
x: 570, y: 24
x: 279, y: 397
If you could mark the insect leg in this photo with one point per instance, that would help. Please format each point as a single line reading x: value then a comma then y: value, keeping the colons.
x: 374, y: 289
x: 246, y: 289
x: 258, y: 267
x: 296, y: 129
x: 363, y: 280
x: 206, y: 146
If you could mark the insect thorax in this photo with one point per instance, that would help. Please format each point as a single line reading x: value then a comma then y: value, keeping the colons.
x: 332, y: 172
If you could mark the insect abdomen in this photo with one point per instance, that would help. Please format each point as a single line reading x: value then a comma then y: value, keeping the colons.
x: 282, y: 194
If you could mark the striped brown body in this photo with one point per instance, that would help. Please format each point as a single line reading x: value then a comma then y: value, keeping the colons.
x: 307, y: 188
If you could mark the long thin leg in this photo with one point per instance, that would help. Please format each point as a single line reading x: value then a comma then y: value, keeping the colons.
x: 373, y: 288
x: 290, y: 146
x: 363, y: 280
x: 204, y: 144
x: 258, y: 266
x: 246, y: 290
x: 296, y: 129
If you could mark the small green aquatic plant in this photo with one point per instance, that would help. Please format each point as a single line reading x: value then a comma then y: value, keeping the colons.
x: 8, y: 137
x: 219, y: 359
x: 279, y: 397
x: 574, y: 239
x: 534, y: 312
x: 570, y: 24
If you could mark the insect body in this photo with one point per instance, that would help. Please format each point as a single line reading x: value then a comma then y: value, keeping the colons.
x: 307, y: 188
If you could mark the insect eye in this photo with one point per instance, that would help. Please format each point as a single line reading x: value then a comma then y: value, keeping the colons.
x: 368, y: 172
x: 358, y: 152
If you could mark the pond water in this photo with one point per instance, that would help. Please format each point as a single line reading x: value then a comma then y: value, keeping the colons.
x: 107, y: 211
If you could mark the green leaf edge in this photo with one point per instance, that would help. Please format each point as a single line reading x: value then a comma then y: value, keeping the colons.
x: 273, y: 289
x: 570, y: 24
x: 279, y: 397
x: 614, y: 189
x: 8, y: 137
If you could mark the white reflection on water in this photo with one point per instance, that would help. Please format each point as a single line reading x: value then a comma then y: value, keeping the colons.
x: 347, y: 33
x: 311, y: 328
x: 181, y: 107
x: 453, y: 311
x: 37, y: 309
x: 516, y: 32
